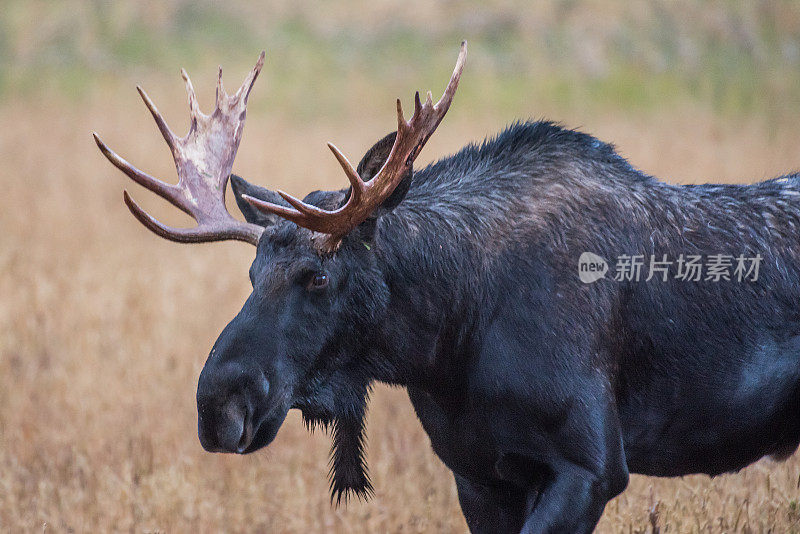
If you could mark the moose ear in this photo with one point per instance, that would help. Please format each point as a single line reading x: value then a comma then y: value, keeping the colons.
x: 240, y: 187
x: 372, y: 162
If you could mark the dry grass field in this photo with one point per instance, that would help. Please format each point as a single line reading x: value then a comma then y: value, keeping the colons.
x: 104, y: 327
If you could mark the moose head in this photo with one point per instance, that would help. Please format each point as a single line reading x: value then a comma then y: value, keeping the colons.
x: 300, y: 340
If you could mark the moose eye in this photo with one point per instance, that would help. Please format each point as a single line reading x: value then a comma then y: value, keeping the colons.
x: 319, y: 281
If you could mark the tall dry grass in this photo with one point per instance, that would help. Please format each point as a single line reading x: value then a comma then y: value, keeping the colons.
x: 104, y: 327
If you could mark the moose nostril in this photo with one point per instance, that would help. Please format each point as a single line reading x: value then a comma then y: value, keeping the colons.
x: 247, y: 436
x: 232, y: 428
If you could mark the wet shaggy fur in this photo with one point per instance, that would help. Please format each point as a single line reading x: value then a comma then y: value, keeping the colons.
x: 541, y: 393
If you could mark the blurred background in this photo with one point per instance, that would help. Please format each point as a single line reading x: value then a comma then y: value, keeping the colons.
x: 104, y: 327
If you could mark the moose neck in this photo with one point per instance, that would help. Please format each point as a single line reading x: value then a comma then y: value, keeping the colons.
x: 427, y: 328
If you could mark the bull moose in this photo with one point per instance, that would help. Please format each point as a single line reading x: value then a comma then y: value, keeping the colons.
x: 459, y: 282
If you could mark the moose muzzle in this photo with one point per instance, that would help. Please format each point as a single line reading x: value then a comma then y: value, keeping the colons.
x: 230, y: 400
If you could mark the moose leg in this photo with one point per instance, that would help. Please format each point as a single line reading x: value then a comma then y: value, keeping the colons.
x: 590, y: 472
x: 572, y: 502
x: 491, y: 509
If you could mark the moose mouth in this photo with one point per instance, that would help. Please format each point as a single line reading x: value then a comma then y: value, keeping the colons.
x: 261, y: 435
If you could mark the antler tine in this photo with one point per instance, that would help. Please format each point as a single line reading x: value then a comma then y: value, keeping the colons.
x: 452, y: 85
x: 199, y: 234
x: 194, y: 106
x: 365, y: 197
x: 220, y: 89
x: 289, y: 214
x: 356, y: 183
x: 250, y: 80
x: 401, y: 120
x: 167, y: 191
x: 169, y: 137
x: 306, y: 209
x: 151, y: 223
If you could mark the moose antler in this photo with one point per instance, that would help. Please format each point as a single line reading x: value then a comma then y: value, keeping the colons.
x: 203, y: 159
x: 365, y: 197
